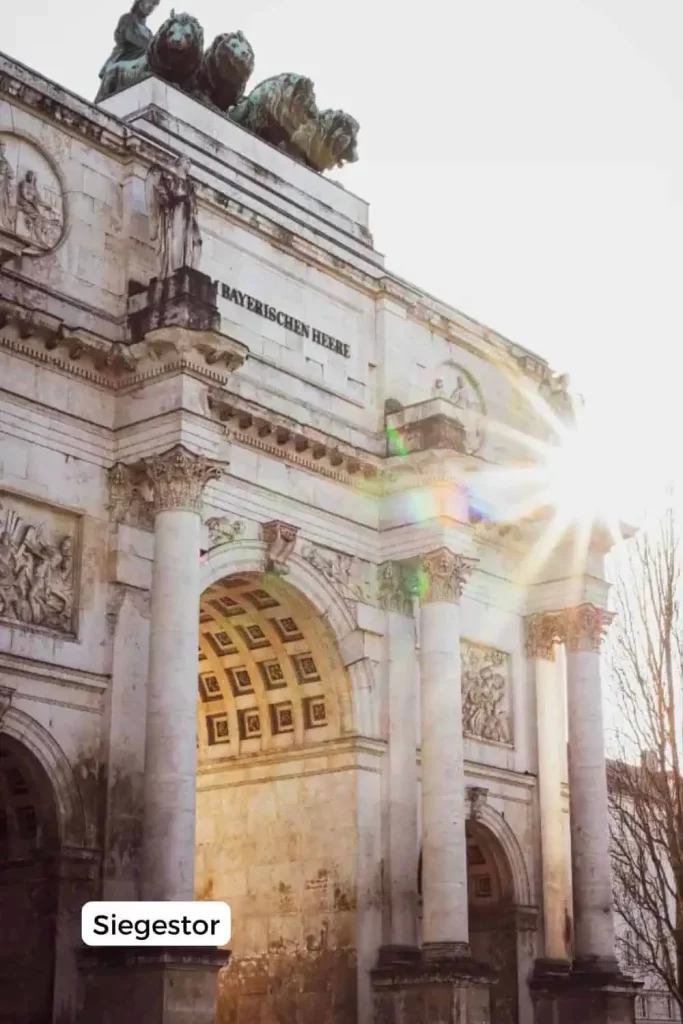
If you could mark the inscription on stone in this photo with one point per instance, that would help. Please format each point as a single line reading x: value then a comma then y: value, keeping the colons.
x: 31, y: 200
x: 290, y: 323
x: 38, y: 548
x: 486, y: 692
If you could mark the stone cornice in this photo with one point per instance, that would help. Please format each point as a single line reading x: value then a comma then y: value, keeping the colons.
x: 256, y: 427
x: 44, y: 339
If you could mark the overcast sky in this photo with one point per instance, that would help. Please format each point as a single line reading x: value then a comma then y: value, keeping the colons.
x: 523, y: 161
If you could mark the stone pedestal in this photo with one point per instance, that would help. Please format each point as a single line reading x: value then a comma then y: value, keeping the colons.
x: 413, y: 988
x: 174, y: 985
x: 186, y: 299
x: 564, y: 996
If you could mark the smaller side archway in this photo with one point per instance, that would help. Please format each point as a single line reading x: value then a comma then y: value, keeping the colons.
x: 497, y: 886
x: 29, y: 889
x: 37, y: 741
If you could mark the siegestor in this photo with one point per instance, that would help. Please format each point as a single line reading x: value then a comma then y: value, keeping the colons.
x: 201, y: 923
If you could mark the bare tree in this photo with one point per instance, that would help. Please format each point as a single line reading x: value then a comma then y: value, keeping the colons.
x: 646, y: 783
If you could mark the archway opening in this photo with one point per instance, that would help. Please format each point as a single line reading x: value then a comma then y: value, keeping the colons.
x: 491, y: 917
x: 29, y: 840
x: 277, y: 801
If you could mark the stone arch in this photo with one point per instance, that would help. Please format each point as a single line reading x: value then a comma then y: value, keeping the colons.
x: 497, y: 885
x: 502, y: 833
x: 249, y: 557
x: 31, y: 830
x: 282, y: 804
x: 68, y: 803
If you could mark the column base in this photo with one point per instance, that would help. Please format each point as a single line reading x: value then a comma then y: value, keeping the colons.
x: 593, y: 992
x: 437, y: 985
x: 172, y: 985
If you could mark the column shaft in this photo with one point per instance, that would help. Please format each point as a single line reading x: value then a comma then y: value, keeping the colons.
x: 171, y: 736
x: 444, y: 849
x: 551, y: 746
x: 403, y: 839
x: 591, y: 866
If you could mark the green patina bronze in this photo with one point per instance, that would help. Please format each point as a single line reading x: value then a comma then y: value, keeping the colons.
x: 281, y: 110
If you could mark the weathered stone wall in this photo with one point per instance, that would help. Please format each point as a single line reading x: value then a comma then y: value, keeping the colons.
x: 282, y: 852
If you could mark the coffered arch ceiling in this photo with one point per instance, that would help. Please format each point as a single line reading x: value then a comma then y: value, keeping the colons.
x: 270, y: 675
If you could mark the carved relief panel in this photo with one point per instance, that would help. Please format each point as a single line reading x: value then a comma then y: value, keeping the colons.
x: 32, y: 209
x: 39, y: 551
x: 486, y: 693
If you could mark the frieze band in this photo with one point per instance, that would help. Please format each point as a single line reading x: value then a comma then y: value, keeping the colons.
x: 290, y: 323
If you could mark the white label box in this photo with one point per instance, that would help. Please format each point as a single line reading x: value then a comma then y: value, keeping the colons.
x: 139, y: 923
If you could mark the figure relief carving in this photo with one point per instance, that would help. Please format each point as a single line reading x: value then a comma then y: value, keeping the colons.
x: 459, y: 387
x: 442, y: 576
x: 37, y: 566
x: 173, y: 217
x: 128, y: 502
x: 542, y: 632
x: 32, y: 219
x: 485, y: 692
x: 178, y: 478
x: 394, y: 588
x: 350, y: 576
x: 279, y: 539
x: 585, y: 627
x: 223, y: 530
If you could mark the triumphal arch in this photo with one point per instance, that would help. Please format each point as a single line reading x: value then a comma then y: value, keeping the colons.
x: 263, y: 637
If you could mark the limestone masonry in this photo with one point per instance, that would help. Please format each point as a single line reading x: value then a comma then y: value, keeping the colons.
x: 259, y: 640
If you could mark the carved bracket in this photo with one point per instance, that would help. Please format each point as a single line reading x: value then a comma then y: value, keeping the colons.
x: 477, y: 797
x: 279, y: 539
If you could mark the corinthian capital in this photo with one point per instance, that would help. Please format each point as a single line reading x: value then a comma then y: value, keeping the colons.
x: 178, y: 478
x: 442, y: 575
x: 542, y: 632
x: 585, y: 627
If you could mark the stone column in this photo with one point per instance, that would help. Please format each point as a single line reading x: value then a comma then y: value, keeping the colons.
x: 177, y: 479
x: 402, y: 757
x: 594, y: 945
x: 445, y: 930
x: 542, y: 631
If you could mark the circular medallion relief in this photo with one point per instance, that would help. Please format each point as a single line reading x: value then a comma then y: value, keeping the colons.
x: 457, y: 385
x: 32, y: 214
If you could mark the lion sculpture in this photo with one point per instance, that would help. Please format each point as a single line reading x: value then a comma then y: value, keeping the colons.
x: 277, y: 108
x: 224, y: 71
x: 281, y: 110
x: 328, y: 140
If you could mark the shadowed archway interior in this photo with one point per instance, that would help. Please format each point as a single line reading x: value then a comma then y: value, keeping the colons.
x: 29, y: 840
x: 492, y: 925
x: 277, y: 802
